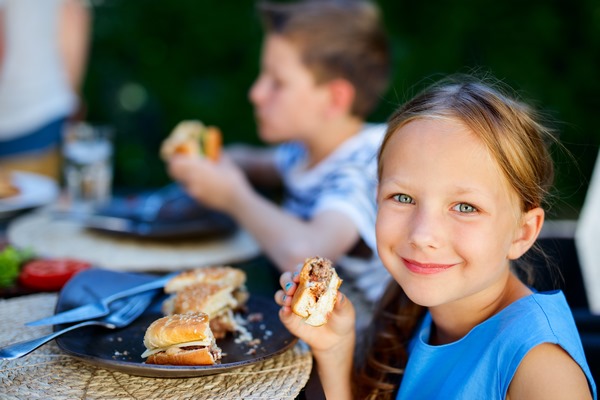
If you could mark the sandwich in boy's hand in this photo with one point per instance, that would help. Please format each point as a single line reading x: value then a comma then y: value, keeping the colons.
x: 181, y: 340
x: 192, y: 137
x: 317, y: 291
x: 216, y: 291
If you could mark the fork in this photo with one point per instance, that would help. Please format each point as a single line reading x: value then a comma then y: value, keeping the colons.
x: 100, y: 308
x: 131, y: 308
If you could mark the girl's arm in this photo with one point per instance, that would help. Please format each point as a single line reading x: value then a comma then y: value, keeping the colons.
x: 548, y: 372
x: 332, y: 344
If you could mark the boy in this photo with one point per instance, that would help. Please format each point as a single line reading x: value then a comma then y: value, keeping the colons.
x: 324, y: 67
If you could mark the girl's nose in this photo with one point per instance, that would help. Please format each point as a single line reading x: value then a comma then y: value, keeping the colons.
x: 425, y: 230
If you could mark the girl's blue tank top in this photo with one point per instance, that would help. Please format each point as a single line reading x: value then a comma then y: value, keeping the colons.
x: 482, y: 364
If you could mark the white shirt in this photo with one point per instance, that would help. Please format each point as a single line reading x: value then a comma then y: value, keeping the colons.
x: 346, y: 181
x: 586, y: 240
x: 34, y: 89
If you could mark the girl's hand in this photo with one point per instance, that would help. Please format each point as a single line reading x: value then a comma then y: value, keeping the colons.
x: 337, y: 335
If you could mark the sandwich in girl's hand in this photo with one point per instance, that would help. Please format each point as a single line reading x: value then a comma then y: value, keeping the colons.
x: 317, y: 291
x: 181, y: 340
x: 192, y: 137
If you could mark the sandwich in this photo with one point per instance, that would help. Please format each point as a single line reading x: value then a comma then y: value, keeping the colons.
x: 192, y: 137
x: 181, y: 340
x: 217, y: 291
x: 217, y: 274
x: 7, y: 187
x: 317, y: 291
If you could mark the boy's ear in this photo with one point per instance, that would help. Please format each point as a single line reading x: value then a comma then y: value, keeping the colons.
x: 342, y: 95
x: 526, y: 234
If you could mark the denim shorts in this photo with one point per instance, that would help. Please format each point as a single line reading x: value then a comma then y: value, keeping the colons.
x: 49, y: 135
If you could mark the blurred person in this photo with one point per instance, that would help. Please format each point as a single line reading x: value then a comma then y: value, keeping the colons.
x: 463, y: 173
x: 324, y: 67
x: 43, y: 56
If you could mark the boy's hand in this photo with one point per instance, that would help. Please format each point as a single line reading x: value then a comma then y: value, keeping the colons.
x: 332, y: 339
x: 214, y: 184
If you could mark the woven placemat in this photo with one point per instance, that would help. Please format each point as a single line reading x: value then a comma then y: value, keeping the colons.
x: 52, y: 237
x: 47, y: 373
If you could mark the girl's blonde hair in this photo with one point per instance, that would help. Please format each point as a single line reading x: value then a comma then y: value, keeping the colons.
x: 510, y: 129
x: 516, y: 139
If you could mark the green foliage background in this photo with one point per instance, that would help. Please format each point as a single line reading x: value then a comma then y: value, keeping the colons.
x: 156, y: 62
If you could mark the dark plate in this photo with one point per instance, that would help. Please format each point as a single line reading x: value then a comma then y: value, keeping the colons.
x: 120, y: 350
x: 175, y: 215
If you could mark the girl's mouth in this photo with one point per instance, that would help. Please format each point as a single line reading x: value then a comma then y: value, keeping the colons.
x: 425, y: 269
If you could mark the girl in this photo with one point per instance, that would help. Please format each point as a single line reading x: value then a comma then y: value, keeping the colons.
x: 463, y: 170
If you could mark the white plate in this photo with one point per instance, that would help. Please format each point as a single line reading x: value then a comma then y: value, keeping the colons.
x: 34, y: 191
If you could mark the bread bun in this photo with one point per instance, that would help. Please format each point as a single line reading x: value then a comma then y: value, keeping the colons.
x: 205, y: 297
x: 223, y: 275
x: 181, y: 340
x: 200, y: 356
x: 192, y: 137
x: 317, y: 291
x: 216, y: 291
x: 177, y: 328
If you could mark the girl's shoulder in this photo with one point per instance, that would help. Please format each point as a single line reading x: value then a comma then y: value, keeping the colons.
x: 537, y: 316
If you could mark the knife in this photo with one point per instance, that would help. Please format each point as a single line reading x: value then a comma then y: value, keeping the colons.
x: 100, y: 308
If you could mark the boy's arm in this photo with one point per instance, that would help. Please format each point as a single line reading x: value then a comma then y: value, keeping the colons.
x: 286, y: 239
x: 257, y: 162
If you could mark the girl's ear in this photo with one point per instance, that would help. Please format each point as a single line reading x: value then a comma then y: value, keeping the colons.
x: 527, y: 232
x: 342, y: 95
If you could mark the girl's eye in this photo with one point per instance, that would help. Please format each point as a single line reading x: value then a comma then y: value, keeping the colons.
x: 465, y: 208
x: 403, y: 198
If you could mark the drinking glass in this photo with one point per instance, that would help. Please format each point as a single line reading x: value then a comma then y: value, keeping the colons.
x: 88, y: 169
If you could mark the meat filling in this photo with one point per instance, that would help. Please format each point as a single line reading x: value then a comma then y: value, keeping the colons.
x: 320, y: 275
x: 214, y: 350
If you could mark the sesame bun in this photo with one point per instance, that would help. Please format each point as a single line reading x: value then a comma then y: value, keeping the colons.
x: 317, y: 291
x: 222, y: 275
x: 177, y: 328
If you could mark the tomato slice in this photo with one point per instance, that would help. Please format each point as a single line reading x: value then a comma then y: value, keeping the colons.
x: 50, y: 274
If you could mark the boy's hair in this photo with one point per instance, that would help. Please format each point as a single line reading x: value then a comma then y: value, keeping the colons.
x: 337, y: 39
x: 516, y: 139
